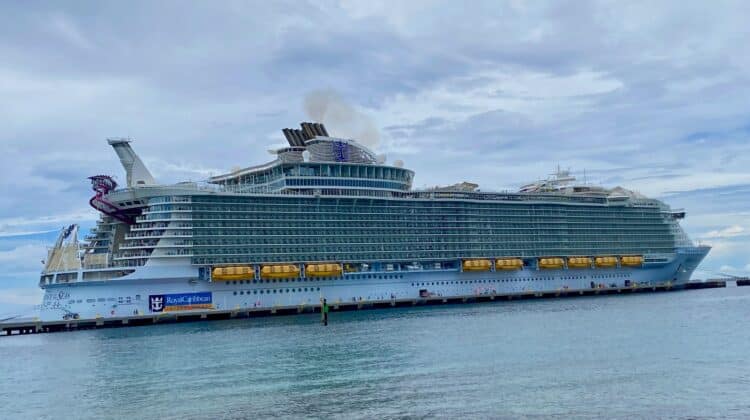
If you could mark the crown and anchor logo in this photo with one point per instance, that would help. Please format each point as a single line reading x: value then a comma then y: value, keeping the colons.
x: 156, y: 302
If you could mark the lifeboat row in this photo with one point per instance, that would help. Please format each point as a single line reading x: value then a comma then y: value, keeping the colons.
x: 486, y: 264
x: 554, y: 263
x: 275, y: 271
x: 286, y: 271
x: 586, y: 262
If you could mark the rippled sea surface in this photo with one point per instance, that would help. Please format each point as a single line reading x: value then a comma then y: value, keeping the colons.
x: 667, y: 355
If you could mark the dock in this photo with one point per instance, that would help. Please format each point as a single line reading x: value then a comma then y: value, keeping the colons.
x: 34, y: 326
x: 707, y: 284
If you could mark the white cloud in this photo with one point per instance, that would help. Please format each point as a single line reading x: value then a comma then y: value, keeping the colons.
x: 23, y: 233
x: 23, y: 259
x: 735, y: 271
x: 68, y: 30
x: 728, y: 232
x: 20, y: 225
x: 21, y: 296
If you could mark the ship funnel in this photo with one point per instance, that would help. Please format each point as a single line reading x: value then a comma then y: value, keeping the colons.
x: 299, y: 136
x: 309, y: 130
x: 321, y: 129
x: 136, y: 171
x: 290, y: 137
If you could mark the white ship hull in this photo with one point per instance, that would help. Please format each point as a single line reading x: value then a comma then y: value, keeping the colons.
x: 145, y: 291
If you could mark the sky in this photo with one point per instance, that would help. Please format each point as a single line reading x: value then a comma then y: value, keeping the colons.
x: 651, y: 96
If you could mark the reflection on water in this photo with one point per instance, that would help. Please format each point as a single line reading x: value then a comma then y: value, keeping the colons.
x: 660, y: 355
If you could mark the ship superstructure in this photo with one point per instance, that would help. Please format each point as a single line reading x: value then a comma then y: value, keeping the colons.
x: 327, y: 218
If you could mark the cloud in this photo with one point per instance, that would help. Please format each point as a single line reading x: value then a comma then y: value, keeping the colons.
x: 24, y: 234
x: 20, y: 297
x: 22, y: 225
x: 734, y: 230
x: 23, y: 259
x: 67, y: 29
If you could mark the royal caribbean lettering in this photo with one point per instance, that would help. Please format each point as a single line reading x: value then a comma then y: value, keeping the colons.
x: 180, y: 302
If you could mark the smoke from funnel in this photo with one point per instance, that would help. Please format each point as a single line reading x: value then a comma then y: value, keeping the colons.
x: 342, y: 119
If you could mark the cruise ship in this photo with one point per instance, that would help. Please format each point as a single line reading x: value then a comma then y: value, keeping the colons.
x: 327, y: 218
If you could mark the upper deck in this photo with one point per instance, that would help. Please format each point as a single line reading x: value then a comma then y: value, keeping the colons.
x: 317, y: 164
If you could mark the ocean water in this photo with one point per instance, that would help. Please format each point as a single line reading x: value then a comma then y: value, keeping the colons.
x: 666, y: 355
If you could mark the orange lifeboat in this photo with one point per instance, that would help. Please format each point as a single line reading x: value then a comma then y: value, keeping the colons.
x: 279, y: 271
x: 508, y: 264
x: 323, y: 270
x: 579, y: 262
x: 477, y: 265
x: 605, y: 262
x: 631, y: 260
x: 553, y: 262
x: 241, y: 272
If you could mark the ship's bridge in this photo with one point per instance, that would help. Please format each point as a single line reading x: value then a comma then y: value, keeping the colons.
x: 318, y: 162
